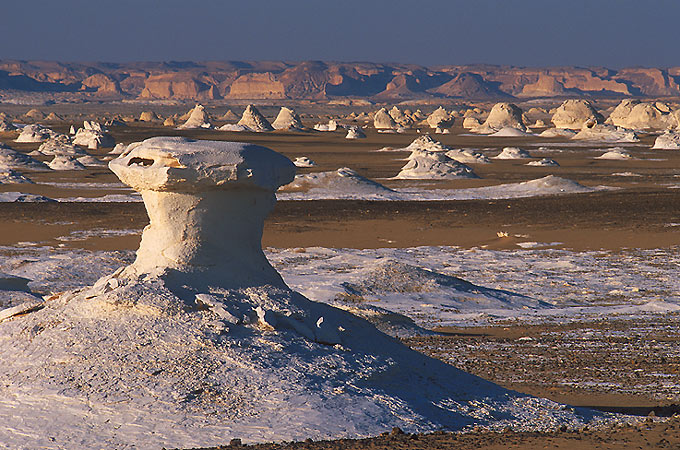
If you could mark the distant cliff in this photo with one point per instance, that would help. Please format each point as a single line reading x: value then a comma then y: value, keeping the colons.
x: 316, y: 80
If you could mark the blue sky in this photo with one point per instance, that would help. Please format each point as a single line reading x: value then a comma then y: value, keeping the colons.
x: 612, y: 33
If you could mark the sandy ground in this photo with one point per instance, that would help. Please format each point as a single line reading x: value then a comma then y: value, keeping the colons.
x: 642, y: 213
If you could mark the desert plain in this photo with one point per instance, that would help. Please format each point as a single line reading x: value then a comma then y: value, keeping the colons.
x: 596, y: 252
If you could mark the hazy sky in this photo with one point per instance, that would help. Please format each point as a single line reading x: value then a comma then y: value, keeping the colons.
x: 612, y: 33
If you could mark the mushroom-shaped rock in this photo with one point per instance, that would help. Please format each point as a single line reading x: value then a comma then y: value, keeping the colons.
x: 207, y: 201
x: 574, y: 114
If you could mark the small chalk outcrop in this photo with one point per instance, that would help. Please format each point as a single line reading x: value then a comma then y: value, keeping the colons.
x: 11, y: 176
x: 502, y: 115
x: 383, y: 121
x: 12, y: 159
x: 615, y: 154
x: 93, y: 136
x: 148, y: 116
x: 198, y: 118
x: 303, y: 161
x: 90, y: 161
x: 65, y: 162
x: 600, y: 132
x: 355, y: 133
x: 425, y: 165
x: 34, y: 133
x: 440, y: 118
x: 234, y: 128
x: 332, y: 125
x: 427, y: 143
x: 287, y: 119
x: 558, y: 133
x: 574, y: 114
x: 467, y: 156
x: 254, y: 120
x: 59, y: 145
x: 513, y: 153
x: 344, y: 183
x: 545, y: 162
x: 401, y: 118
x: 670, y: 140
x: 471, y: 122
x: 510, y: 132
x: 229, y: 116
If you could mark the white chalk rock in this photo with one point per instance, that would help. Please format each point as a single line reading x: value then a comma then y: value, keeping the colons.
x: 59, y: 145
x: 10, y: 176
x: 467, y: 156
x: 440, y: 118
x: 234, y: 128
x: 65, y: 162
x: 34, y: 133
x: 355, y: 133
x: 424, y: 165
x: 254, y: 120
x: 545, y: 162
x: 383, y: 121
x: 332, y: 125
x: 93, y: 136
x: 600, y: 132
x: 636, y: 115
x: 303, y: 161
x: 670, y: 140
x: 558, y: 133
x: 471, y: 122
x: 198, y: 118
x: 616, y: 154
x: 574, y: 114
x: 513, y: 153
x: 12, y: 159
x: 287, y: 119
x: 503, y: 115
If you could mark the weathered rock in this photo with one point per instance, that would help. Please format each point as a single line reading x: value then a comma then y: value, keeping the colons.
x: 573, y: 114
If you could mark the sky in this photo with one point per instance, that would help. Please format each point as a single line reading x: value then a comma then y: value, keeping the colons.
x: 610, y: 33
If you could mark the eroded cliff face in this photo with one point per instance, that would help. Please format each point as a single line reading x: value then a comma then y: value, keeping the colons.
x: 317, y: 80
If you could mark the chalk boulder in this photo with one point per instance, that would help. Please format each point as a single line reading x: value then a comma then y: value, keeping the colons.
x: 198, y: 118
x: 574, y: 114
x: 383, y: 121
x: 287, y: 119
x: 670, y: 140
x: 425, y: 165
x: 254, y: 120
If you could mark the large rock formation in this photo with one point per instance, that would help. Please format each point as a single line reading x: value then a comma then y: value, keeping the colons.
x: 636, y: 115
x: 383, y: 121
x: 573, y: 114
x: 102, y: 84
x: 503, y: 115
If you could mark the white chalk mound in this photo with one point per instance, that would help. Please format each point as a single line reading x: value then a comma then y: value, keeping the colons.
x: 510, y: 132
x: 574, y: 114
x: 93, y: 136
x: 545, y: 162
x: 12, y: 159
x: 592, y: 131
x: 254, y: 120
x: 425, y: 165
x: 383, y: 121
x: 670, y: 140
x: 637, y: 115
x: 558, y: 133
x: 34, y: 133
x: 10, y: 176
x: 615, y: 154
x: 65, y: 162
x: 198, y: 118
x: 59, y: 145
x: 440, y: 118
x: 287, y: 119
x: 467, y: 156
x: 513, y: 153
x: 234, y: 127
x: 332, y: 125
x: 200, y: 340
x: 355, y: 133
x: 343, y: 183
x: 303, y: 161
x: 502, y: 115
